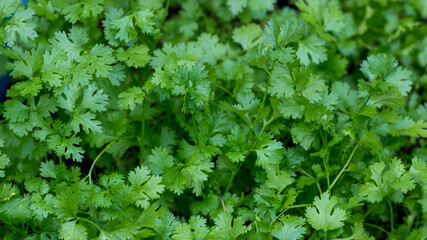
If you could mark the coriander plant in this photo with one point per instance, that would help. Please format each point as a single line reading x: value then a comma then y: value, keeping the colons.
x: 224, y: 119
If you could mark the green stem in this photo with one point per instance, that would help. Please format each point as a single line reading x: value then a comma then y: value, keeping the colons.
x: 345, y: 166
x: 317, y: 181
x: 325, y: 161
x: 294, y: 206
x: 236, y: 170
x: 377, y: 227
x: 132, y: 75
x: 96, y: 159
x: 84, y: 212
x: 367, y: 213
x: 327, y: 175
x: 196, y: 134
x: 391, y: 216
x: 233, y: 175
x: 165, y: 14
x: 225, y: 89
x: 265, y: 95
x: 143, y: 127
x: 89, y: 221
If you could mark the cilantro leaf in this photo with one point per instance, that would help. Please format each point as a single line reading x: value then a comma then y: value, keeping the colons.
x: 325, y: 216
x: 269, y: 152
x: 228, y: 227
x: 247, y: 36
x: 290, y: 228
x: 311, y: 50
x: 19, y: 24
x: 136, y: 56
x: 73, y: 230
x: 385, y: 181
x: 145, y: 186
x: 131, y: 97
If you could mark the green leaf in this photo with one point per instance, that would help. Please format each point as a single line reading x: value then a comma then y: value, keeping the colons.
x: 419, y: 233
x: 73, y: 47
x: 19, y: 24
x: 16, y: 111
x: 227, y: 227
x: 48, y: 169
x: 165, y: 225
x: 418, y: 169
x: 326, y: 16
x: 303, y: 135
x: 271, y: 33
x: 236, y: 6
x: 212, y: 48
x: 282, y: 84
x: 195, y: 229
x: 160, y: 160
x: 98, y: 60
x: 292, y: 30
x: 15, y: 210
x: 72, y: 231
x: 290, y: 108
x: 261, y: 5
x: 385, y: 181
x: 269, y: 152
x: 131, y: 97
x: 87, y: 122
x: 311, y: 50
x: 136, y: 56
x: 37, y: 185
x: 65, y: 207
x: 4, y: 161
x: 145, y: 186
x: 290, y: 228
x: 75, y: 10
x: 385, y: 67
x: 359, y: 232
x: 41, y: 206
x: 325, y: 216
x: 408, y: 127
x: 247, y: 36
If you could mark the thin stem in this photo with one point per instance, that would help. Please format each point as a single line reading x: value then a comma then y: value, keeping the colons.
x: 89, y: 221
x: 96, y: 159
x: 345, y: 166
x: 391, y: 216
x: 317, y: 181
x: 165, y: 14
x: 325, y: 161
x: 236, y: 170
x: 224, y: 89
x: 233, y: 175
x: 84, y: 212
x: 294, y: 206
x: 367, y: 213
x: 248, y: 121
x: 132, y: 75
x: 195, y: 130
x: 377, y: 227
x: 223, y: 204
x: 266, y: 123
x: 143, y: 127
x: 327, y: 175
x: 265, y: 95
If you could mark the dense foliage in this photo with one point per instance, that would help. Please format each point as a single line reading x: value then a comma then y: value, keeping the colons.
x: 225, y: 119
